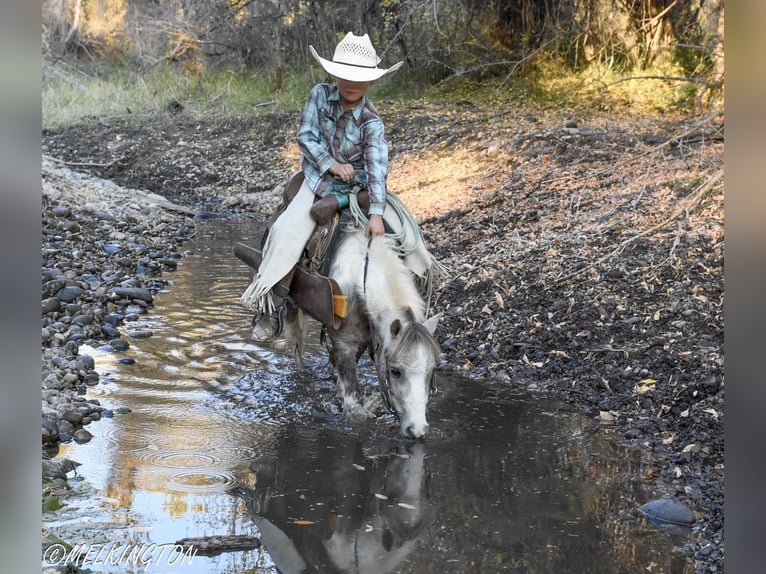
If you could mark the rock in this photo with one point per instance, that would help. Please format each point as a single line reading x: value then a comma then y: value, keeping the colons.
x: 51, y: 304
x: 119, y: 345
x: 72, y: 416
x: 134, y: 293
x: 82, y: 436
x: 65, y: 430
x: 667, y: 511
x: 50, y: 431
x: 58, y: 468
x: 140, y: 333
x: 70, y: 293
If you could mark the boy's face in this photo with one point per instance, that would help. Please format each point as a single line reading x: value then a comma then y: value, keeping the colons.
x: 351, y: 92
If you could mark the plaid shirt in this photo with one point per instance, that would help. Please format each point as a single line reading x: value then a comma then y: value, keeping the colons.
x: 327, y: 134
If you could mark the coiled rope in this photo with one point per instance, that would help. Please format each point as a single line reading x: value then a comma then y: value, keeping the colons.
x: 406, y: 241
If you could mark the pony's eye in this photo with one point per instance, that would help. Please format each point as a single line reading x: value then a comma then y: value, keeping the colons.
x: 395, y: 372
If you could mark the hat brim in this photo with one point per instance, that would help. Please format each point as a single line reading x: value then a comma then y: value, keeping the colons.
x: 350, y: 72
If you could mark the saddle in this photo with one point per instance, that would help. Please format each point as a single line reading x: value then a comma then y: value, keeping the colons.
x: 318, y: 295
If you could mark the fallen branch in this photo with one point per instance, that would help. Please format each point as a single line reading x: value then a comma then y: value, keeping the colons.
x: 214, y: 545
x: 81, y: 163
x: 668, y: 143
x: 681, y: 209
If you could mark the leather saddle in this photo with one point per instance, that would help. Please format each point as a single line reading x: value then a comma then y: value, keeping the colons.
x: 316, y: 294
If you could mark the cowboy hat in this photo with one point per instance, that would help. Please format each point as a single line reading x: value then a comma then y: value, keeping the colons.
x: 354, y: 60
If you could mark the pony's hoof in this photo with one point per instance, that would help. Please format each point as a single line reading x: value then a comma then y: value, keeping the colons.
x: 355, y: 410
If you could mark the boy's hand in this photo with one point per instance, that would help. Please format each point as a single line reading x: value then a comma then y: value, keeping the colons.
x: 375, y: 227
x: 344, y: 171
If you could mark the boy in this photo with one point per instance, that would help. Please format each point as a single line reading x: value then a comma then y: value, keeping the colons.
x: 342, y: 142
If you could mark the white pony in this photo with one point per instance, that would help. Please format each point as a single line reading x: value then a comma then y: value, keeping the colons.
x: 386, y: 314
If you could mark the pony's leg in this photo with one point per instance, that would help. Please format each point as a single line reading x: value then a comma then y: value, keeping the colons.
x: 347, y: 379
x: 295, y: 327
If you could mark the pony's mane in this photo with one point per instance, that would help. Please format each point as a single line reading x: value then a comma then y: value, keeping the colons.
x: 402, y: 289
x: 416, y: 333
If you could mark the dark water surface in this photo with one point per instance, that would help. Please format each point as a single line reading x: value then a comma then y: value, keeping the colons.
x: 224, y: 438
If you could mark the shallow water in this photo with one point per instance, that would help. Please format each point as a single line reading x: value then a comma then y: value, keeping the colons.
x: 225, y: 438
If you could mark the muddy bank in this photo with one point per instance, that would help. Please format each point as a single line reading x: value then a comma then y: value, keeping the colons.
x: 586, y: 258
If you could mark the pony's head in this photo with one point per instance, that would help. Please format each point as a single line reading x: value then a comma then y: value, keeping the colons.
x: 406, y: 374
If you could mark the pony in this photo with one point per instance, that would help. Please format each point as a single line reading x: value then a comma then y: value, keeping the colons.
x: 385, y: 315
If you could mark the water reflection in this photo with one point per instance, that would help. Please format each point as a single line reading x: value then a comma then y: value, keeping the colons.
x: 224, y: 438
x: 327, y: 503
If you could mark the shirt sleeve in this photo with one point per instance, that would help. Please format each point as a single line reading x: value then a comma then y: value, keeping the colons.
x: 313, y: 146
x: 376, y: 163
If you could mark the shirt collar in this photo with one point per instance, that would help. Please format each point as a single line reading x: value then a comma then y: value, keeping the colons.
x: 356, y: 112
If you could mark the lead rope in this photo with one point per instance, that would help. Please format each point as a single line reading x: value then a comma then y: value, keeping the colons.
x: 399, y: 238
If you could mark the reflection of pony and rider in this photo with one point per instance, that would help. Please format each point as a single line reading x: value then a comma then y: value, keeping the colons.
x: 349, y: 511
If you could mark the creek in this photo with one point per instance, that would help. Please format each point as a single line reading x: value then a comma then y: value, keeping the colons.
x: 224, y: 437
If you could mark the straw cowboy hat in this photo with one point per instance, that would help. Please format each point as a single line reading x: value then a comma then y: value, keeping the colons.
x: 354, y: 60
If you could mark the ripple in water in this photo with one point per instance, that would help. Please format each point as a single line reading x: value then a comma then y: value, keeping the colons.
x: 199, y: 481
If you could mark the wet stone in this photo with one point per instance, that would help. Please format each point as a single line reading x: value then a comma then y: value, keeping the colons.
x: 669, y: 511
x: 82, y: 436
x: 119, y: 345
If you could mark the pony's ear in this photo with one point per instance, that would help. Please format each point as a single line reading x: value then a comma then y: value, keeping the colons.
x: 430, y: 323
x: 396, y: 327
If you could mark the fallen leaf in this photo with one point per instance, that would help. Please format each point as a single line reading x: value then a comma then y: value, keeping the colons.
x: 303, y: 522
x: 606, y: 416
x: 407, y: 506
x: 358, y: 466
x: 669, y: 438
x: 712, y: 412
x: 688, y: 447
x: 499, y: 300
x: 648, y: 381
x: 652, y: 475
x: 381, y: 496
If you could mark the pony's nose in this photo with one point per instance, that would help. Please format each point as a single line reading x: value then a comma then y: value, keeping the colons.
x: 413, y: 431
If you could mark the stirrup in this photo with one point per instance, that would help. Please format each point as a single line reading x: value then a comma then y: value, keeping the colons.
x: 272, y: 330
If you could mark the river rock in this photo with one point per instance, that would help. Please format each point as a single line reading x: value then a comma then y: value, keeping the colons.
x: 65, y: 429
x: 70, y: 293
x: 50, y: 431
x: 134, y: 293
x: 667, y: 511
x: 82, y: 436
x: 119, y: 345
x: 50, y: 305
x: 72, y: 415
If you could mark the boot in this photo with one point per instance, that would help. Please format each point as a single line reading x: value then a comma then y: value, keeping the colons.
x: 324, y: 209
x: 268, y: 326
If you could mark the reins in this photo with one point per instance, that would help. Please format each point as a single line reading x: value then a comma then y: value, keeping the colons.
x: 377, y: 346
